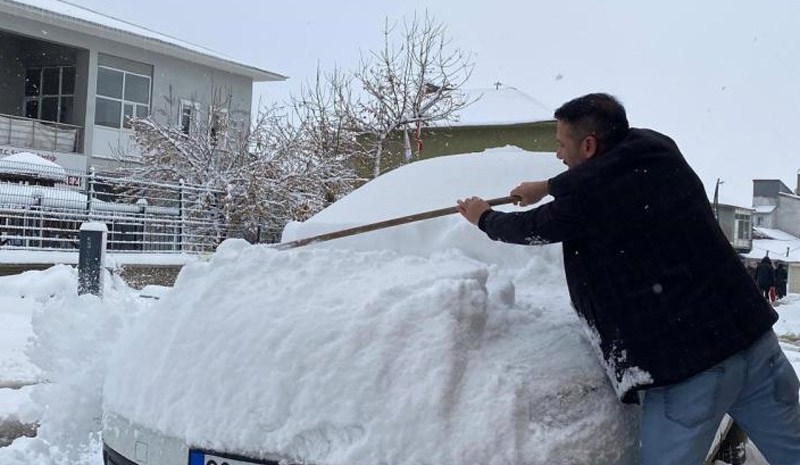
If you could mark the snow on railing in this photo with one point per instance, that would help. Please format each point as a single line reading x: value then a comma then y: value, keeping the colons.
x: 141, y: 215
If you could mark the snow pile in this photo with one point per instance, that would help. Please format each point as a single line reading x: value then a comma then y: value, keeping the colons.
x: 426, y: 343
x: 336, y: 356
x: 437, y: 182
x: 72, y: 336
x: 20, y: 296
x: 30, y: 164
x: 788, y: 324
x: 428, y: 185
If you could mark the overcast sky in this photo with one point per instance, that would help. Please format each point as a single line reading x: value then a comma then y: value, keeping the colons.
x: 720, y: 77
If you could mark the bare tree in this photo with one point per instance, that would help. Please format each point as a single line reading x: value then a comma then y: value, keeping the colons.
x: 326, y: 128
x: 411, y: 82
x: 260, y: 177
x: 209, y: 151
x: 293, y: 161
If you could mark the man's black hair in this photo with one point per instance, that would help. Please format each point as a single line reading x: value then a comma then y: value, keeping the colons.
x: 600, y: 115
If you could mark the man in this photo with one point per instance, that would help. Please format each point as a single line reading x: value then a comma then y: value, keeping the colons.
x: 672, y: 311
x: 765, y: 276
x: 781, y: 277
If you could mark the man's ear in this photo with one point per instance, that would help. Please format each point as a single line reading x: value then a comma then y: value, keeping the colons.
x: 589, y: 147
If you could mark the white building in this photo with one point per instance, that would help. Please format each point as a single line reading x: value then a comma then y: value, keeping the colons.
x: 776, y: 206
x: 70, y: 76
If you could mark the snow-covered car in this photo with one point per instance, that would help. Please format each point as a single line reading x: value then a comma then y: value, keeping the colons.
x: 423, y: 343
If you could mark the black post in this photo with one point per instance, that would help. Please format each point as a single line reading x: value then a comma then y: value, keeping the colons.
x: 90, y: 258
x: 89, y: 192
x: 732, y: 450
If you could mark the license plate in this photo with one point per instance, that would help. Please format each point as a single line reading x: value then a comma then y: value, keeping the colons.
x: 202, y: 457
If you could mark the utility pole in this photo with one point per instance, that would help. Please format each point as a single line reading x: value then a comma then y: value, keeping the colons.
x: 716, y: 199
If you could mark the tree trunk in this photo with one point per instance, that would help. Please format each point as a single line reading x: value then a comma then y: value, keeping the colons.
x: 378, y: 153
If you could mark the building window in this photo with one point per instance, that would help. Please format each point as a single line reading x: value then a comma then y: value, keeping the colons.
x: 121, y: 95
x: 759, y: 220
x: 744, y: 228
x: 50, y: 93
x: 188, y: 115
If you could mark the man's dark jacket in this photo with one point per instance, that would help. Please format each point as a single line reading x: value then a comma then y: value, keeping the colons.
x: 765, y: 274
x: 648, y: 268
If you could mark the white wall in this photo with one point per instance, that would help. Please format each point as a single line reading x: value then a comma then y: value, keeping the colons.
x: 788, y: 214
x: 182, y: 79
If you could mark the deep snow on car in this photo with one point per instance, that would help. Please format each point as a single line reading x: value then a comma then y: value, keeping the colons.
x: 424, y: 343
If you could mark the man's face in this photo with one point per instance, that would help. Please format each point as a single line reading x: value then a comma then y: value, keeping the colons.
x: 570, y: 150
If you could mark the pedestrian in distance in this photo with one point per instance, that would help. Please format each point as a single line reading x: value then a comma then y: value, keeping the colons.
x: 680, y: 325
x: 781, y: 279
x: 765, y: 276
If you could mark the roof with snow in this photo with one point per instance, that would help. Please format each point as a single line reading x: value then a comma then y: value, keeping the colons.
x: 779, y: 245
x: 765, y: 209
x: 27, y: 164
x: 776, y: 234
x: 501, y: 107
x: 736, y: 207
x: 78, y: 18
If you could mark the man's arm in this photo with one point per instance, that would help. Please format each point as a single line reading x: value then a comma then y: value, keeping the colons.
x: 527, y: 193
x: 555, y: 221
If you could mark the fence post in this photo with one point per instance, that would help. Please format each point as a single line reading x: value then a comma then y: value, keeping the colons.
x: 93, y: 236
x: 182, y: 199
x: 89, y: 192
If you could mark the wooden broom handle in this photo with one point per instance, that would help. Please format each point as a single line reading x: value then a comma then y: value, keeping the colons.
x: 384, y: 224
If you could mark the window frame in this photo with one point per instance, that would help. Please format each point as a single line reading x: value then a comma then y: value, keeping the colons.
x: 744, y: 226
x: 195, y: 110
x: 122, y: 125
x: 41, y: 95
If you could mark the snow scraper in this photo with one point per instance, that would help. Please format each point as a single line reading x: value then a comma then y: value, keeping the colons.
x: 383, y: 224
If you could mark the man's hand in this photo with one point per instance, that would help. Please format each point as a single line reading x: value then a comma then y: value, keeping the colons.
x: 472, y: 208
x: 530, y: 193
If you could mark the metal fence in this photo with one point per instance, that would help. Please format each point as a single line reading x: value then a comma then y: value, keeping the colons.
x: 42, y: 207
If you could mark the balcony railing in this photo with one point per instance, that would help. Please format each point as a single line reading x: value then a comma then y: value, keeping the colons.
x: 20, y: 132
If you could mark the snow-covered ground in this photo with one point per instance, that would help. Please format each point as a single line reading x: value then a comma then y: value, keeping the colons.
x: 55, y: 343
x: 425, y: 343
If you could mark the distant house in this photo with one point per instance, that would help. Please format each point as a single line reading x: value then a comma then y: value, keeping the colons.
x: 497, y: 117
x: 737, y: 224
x: 69, y: 78
x: 776, y: 206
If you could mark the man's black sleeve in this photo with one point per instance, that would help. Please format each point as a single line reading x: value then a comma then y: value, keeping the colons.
x: 556, y: 221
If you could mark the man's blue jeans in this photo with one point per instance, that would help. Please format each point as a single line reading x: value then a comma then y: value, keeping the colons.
x: 757, y: 387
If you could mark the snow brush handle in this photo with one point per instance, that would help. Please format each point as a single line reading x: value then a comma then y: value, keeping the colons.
x: 384, y: 224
